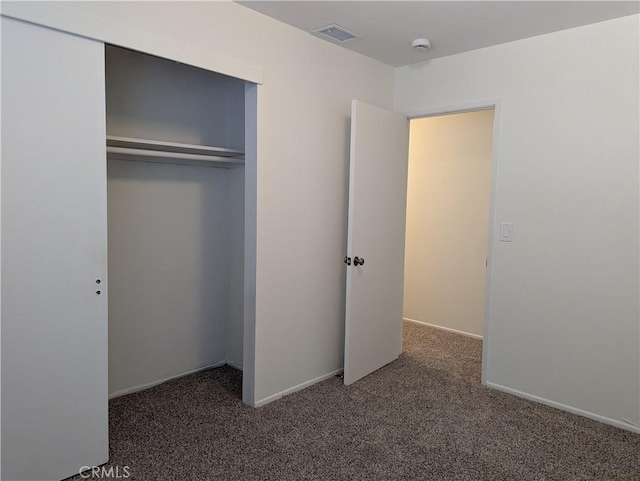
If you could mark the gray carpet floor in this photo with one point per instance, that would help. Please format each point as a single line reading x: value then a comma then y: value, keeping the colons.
x: 426, y: 416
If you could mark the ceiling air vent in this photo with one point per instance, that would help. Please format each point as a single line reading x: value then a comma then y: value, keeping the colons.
x: 336, y: 33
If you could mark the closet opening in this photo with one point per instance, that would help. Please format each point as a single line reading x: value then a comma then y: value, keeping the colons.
x: 448, y: 217
x: 181, y: 247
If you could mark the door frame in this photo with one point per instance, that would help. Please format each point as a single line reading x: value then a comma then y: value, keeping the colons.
x: 496, y: 105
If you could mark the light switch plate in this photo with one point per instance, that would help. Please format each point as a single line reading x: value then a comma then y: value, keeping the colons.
x: 506, y: 232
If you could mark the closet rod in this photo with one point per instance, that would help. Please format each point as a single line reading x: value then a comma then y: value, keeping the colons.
x: 164, y: 146
x: 125, y: 153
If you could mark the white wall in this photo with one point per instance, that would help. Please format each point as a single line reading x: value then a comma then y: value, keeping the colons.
x: 563, y: 306
x: 448, y: 192
x: 303, y: 144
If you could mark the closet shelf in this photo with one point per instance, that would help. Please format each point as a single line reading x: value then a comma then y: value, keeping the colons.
x: 125, y: 148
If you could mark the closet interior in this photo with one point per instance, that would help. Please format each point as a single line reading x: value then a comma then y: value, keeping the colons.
x: 176, y: 218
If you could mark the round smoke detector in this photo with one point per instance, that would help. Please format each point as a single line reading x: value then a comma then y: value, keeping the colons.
x: 421, y: 44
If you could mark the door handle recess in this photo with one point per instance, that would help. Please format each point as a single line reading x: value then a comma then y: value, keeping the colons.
x: 358, y: 261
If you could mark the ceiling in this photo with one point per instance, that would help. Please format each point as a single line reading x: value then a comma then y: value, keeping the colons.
x: 388, y: 27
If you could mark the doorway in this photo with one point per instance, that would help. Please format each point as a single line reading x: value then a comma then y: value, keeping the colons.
x: 448, y: 217
x: 180, y: 234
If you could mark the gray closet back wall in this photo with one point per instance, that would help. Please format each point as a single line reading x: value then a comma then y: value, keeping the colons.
x: 154, y: 98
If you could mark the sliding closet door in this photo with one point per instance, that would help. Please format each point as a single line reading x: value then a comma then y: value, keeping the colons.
x: 53, y: 284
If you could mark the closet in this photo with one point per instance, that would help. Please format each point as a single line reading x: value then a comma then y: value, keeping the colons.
x: 176, y: 218
x: 155, y: 264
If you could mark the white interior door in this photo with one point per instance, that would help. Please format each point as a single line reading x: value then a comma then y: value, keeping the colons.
x: 54, y: 322
x: 377, y: 207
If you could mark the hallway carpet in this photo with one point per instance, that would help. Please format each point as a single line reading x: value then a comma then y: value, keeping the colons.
x: 424, y: 417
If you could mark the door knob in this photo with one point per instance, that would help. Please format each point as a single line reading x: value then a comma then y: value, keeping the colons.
x: 358, y: 261
x: 347, y: 260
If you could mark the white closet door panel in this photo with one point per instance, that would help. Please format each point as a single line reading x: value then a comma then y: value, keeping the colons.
x: 377, y: 209
x: 54, y: 324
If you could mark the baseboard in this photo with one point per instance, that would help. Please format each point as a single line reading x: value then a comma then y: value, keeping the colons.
x: 448, y: 329
x: 624, y: 424
x: 298, y: 387
x: 142, y: 387
x: 234, y: 365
